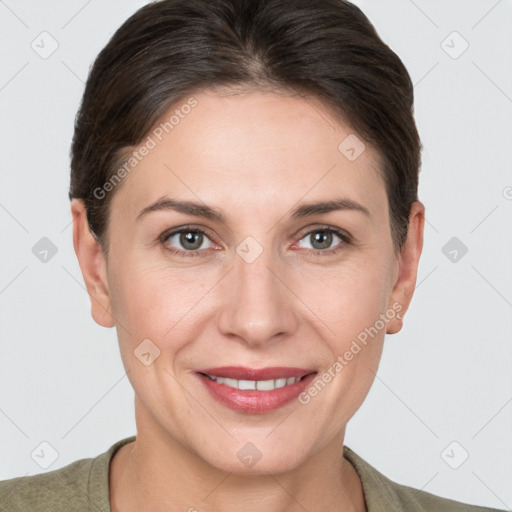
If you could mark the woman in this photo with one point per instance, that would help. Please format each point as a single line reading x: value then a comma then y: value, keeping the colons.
x: 244, y: 195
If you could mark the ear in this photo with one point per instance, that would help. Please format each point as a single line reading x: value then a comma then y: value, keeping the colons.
x: 92, y: 264
x: 408, y: 261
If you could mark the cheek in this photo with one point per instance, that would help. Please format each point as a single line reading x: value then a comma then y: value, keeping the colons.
x: 348, y: 298
x: 350, y: 304
x: 152, y: 303
x: 155, y: 301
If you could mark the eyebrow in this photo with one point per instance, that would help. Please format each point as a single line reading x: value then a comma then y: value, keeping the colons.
x: 202, y: 210
x: 341, y: 203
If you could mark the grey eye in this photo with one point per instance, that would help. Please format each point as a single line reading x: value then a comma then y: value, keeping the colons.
x: 189, y: 240
x: 320, y: 239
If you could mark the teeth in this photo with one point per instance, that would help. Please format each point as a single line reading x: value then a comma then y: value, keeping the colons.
x: 280, y: 383
x: 260, y: 385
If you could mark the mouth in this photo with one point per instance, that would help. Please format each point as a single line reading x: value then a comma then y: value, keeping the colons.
x: 255, y: 391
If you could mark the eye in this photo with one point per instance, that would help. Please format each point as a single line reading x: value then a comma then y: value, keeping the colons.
x: 191, y: 241
x: 186, y: 241
x: 321, y: 240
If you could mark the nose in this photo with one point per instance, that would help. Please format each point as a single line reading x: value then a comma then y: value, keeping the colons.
x: 257, y: 306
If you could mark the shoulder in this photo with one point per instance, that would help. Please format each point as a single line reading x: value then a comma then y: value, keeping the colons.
x: 55, y: 490
x: 79, y: 486
x: 383, y: 494
x: 415, y: 500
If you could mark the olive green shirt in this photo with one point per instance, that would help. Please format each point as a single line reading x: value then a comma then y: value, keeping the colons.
x: 83, y: 486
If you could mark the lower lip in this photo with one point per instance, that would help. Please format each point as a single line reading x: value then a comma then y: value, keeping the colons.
x: 253, y: 401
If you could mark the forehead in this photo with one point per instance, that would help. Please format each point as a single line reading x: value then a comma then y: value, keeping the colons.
x: 259, y: 149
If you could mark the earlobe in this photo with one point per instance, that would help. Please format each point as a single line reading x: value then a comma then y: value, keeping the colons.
x: 92, y: 264
x: 408, y: 261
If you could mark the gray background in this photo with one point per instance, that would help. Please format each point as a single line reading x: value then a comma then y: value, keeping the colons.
x: 445, y: 377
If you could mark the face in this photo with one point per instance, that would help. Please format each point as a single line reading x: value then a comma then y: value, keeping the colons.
x: 254, y: 276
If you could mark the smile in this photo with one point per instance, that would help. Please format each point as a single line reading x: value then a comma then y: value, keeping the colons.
x: 255, y: 391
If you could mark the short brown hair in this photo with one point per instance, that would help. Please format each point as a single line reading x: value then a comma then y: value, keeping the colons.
x: 327, y: 49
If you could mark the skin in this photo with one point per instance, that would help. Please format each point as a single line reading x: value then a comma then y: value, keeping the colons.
x: 254, y: 157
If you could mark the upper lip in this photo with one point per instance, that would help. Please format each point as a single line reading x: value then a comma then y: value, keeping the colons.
x: 244, y: 373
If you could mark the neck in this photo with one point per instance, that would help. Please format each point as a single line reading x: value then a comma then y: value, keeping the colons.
x: 157, y: 472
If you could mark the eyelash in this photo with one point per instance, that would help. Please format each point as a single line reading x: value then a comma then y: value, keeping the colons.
x: 346, y: 240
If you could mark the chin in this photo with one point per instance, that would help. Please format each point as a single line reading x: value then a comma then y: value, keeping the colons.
x: 256, y: 457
